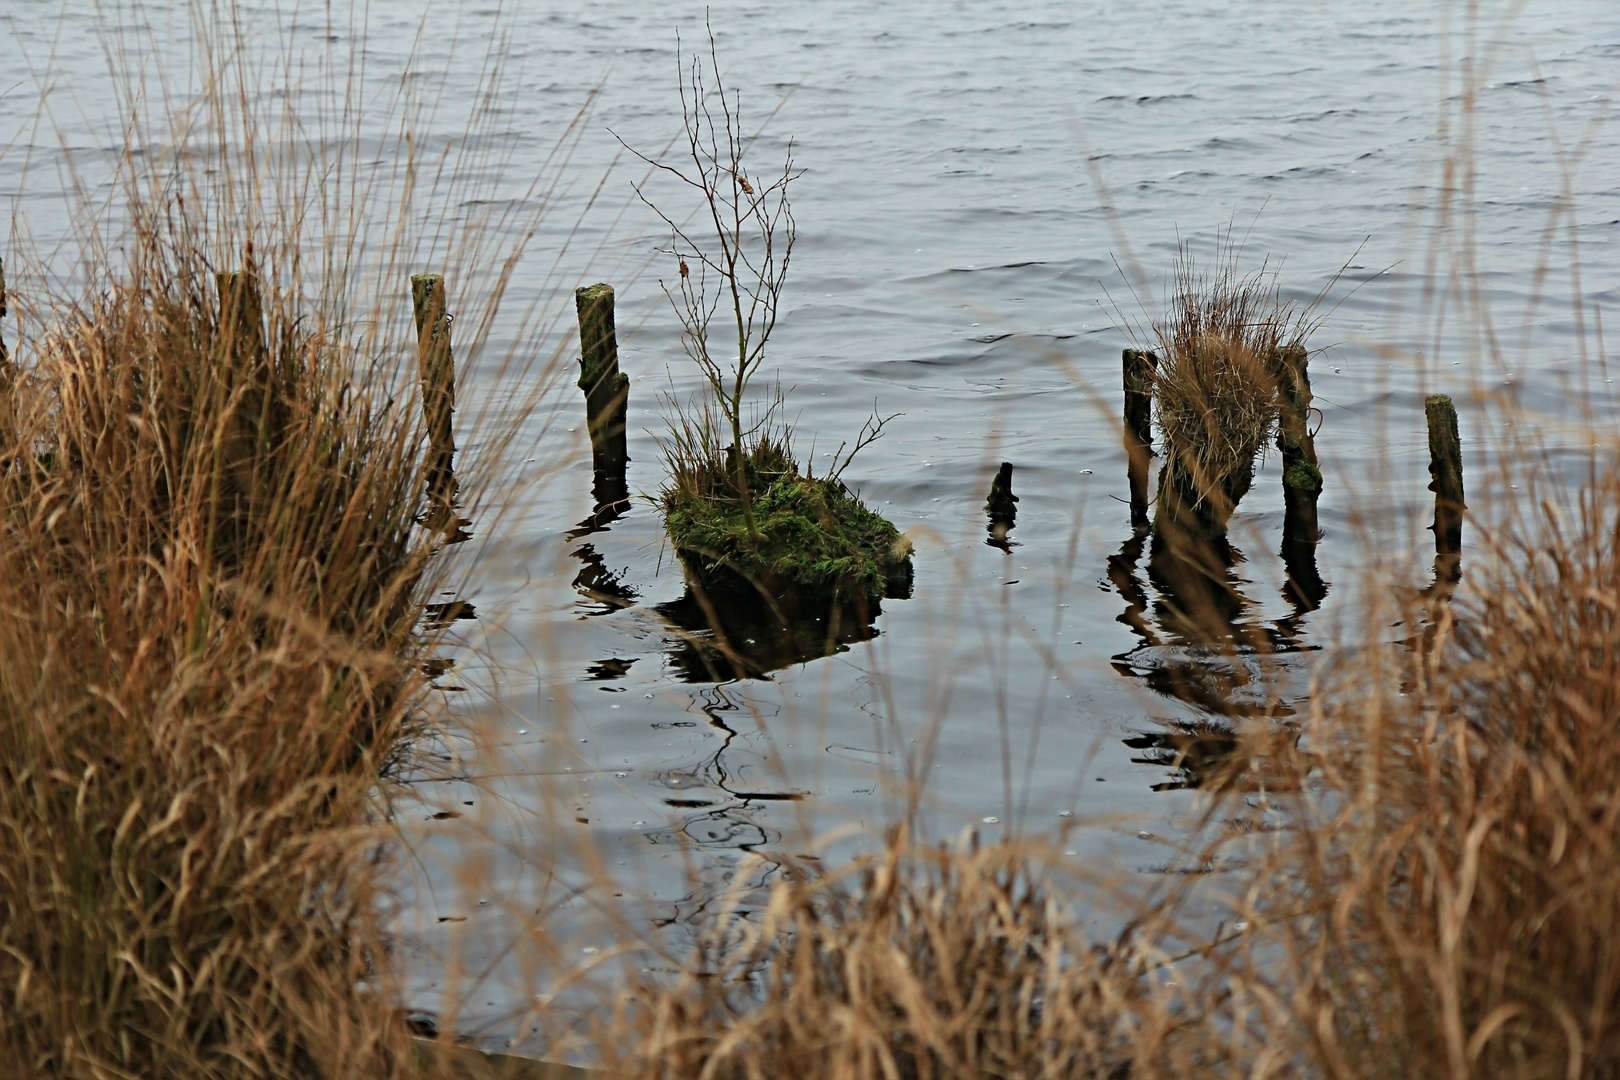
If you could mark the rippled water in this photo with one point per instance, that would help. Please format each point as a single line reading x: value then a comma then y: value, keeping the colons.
x: 976, y: 176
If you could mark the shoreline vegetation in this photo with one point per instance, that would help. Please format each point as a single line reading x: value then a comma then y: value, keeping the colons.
x: 220, y: 535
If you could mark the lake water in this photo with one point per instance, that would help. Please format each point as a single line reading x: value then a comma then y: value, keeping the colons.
x: 976, y: 176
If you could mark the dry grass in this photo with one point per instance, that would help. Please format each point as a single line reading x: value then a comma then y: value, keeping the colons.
x: 1215, y: 391
x: 212, y: 569
x: 1449, y: 903
x: 916, y: 962
x: 210, y: 574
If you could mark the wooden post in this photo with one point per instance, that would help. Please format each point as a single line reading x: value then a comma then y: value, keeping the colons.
x: 436, y: 372
x: 607, y: 393
x: 1446, y: 479
x: 245, y: 363
x: 5, y: 357
x: 8, y: 380
x: 1139, y: 366
x: 1002, y: 507
x: 1302, y: 475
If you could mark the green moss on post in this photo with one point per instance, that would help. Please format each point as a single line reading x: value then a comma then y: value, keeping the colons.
x: 1445, y: 474
x: 1139, y: 366
x: 607, y: 393
x: 436, y: 374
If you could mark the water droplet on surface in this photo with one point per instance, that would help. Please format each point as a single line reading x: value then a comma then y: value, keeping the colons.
x: 1065, y: 813
x: 1144, y: 835
x: 992, y: 821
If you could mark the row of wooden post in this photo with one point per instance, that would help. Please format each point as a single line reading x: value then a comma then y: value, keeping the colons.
x: 606, y: 391
x: 1302, y: 474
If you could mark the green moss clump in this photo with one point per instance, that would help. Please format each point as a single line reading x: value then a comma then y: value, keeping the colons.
x: 1303, y: 476
x: 811, y: 535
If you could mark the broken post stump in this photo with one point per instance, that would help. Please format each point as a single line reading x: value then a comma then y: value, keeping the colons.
x: 1139, y: 367
x: 1445, y: 474
x: 1302, y: 474
x: 1002, y: 508
x: 436, y: 373
x: 607, y: 393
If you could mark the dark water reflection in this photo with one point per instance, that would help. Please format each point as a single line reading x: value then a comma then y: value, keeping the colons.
x: 718, y: 638
x: 1200, y: 644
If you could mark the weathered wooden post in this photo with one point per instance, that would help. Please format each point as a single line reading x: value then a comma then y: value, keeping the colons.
x: 1002, y: 507
x: 1446, y: 479
x: 1139, y: 367
x: 5, y: 357
x: 7, y: 378
x: 245, y: 363
x: 436, y: 373
x: 1302, y: 474
x: 607, y: 393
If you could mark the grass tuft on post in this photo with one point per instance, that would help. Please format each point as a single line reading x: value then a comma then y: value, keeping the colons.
x: 1217, y: 388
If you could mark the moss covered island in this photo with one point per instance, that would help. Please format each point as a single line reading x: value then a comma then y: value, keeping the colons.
x: 812, y: 537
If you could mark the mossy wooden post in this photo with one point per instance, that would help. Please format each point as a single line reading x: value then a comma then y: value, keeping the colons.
x: 607, y: 393
x: 1302, y: 474
x: 436, y: 373
x: 1446, y: 478
x: 1139, y: 367
x: 1002, y: 507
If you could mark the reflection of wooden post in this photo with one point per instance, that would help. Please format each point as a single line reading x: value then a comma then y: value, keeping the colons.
x: 1139, y: 367
x: 1302, y: 476
x: 436, y: 372
x: 1445, y: 472
x: 607, y: 392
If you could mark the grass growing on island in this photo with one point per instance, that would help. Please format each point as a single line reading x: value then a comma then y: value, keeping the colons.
x: 738, y: 507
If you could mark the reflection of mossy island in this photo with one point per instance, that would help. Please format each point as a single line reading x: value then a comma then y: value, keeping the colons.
x: 812, y: 537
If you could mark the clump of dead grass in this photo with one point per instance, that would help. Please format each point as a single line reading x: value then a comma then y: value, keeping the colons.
x: 1449, y: 899
x: 213, y: 564
x: 207, y: 657
x: 916, y: 961
x: 1216, y: 386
